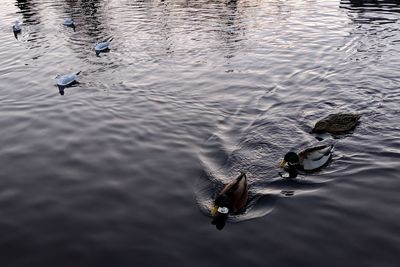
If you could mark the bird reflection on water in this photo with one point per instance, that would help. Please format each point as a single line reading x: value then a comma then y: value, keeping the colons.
x: 61, y: 89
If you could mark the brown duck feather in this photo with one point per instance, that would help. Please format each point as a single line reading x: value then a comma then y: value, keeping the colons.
x: 237, y: 191
x: 337, y: 123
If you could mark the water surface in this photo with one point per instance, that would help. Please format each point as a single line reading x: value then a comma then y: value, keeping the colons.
x: 122, y: 168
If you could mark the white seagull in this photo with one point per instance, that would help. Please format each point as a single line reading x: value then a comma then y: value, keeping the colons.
x: 69, y: 22
x: 66, y: 80
x: 103, y: 46
x: 17, y: 26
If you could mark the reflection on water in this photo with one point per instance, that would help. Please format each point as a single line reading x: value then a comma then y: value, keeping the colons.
x: 374, y: 25
x: 375, y: 12
x: 122, y: 169
x: 371, y: 5
x: 29, y: 11
x: 231, y: 30
x: 90, y: 17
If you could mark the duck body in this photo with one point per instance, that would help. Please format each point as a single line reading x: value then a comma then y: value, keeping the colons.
x: 103, y: 46
x: 237, y: 192
x: 309, y: 160
x: 231, y: 200
x: 66, y: 80
x: 337, y: 123
x: 315, y: 158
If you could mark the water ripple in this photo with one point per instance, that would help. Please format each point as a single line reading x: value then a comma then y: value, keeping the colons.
x: 122, y: 169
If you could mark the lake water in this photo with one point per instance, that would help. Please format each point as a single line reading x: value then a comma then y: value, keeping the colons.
x: 122, y: 168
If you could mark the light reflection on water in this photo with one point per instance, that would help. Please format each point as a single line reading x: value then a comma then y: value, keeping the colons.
x: 122, y: 168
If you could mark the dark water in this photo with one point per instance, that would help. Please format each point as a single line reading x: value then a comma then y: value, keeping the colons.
x: 121, y: 169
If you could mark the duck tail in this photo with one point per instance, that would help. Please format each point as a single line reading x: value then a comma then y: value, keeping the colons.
x: 109, y: 39
x: 332, y: 147
x: 242, y: 175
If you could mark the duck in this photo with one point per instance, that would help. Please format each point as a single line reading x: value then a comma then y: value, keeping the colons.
x: 103, y: 46
x: 69, y: 22
x: 231, y: 200
x: 67, y: 79
x: 337, y: 123
x: 308, y: 160
x: 17, y: 27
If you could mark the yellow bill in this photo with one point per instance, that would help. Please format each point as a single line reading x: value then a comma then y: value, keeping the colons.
x: 282, y: 163
x: 214, y: 210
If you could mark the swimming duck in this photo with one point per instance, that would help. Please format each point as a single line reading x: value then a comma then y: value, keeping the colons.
x: 232, y: 199
x: 103, y: 46
x: 69, y: 22
x: 17, y: 27
x: 337, y: 123
x: 66, y: 80
x: 309, y: 160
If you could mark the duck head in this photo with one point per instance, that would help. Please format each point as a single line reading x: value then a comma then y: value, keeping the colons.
x: 320, y: 127
x: 220, y: 211
x: 291, y: 158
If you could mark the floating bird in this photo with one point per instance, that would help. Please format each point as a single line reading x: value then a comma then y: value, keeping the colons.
x: 66, y: 80
x: 17, y: 27
x: 231, y: 200
x: 309, y: 160
x: 103, y: 46
x: 337, y: 123
x: 69, y: 22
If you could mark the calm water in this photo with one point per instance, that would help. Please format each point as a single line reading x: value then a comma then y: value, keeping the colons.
x: 121, y: 169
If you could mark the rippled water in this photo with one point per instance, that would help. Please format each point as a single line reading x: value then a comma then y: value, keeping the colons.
x: 122, y: 168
